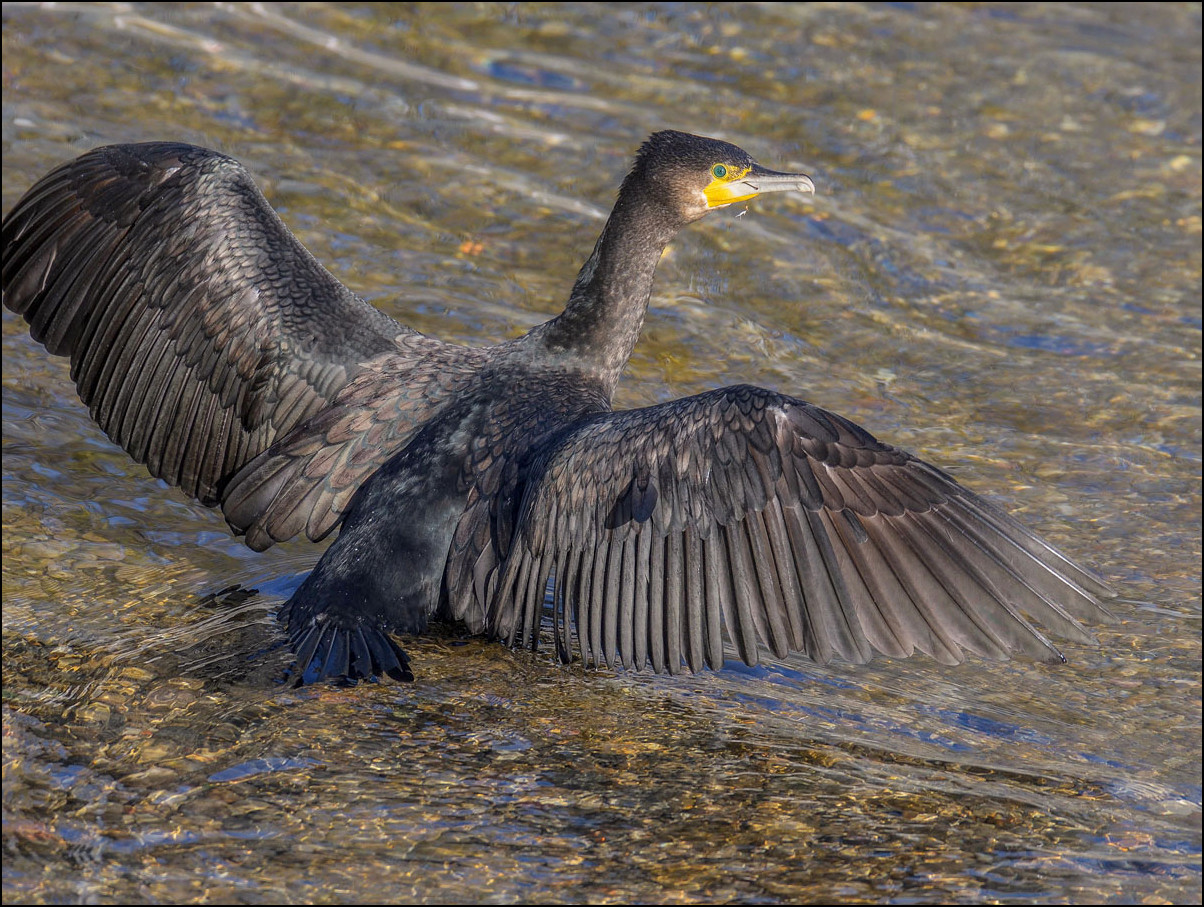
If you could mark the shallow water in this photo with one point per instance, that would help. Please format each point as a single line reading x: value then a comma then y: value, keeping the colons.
x: 1000, y: 270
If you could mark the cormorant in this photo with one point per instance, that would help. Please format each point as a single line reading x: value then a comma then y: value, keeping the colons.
x: 467, y: 482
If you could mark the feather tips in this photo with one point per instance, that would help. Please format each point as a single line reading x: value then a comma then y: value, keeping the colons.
x: 745, y: 514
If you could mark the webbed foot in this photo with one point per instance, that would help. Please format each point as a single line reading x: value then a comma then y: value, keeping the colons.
x: 330, y: 648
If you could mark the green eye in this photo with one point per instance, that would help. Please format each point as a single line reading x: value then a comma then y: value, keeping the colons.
x: 719, y: 171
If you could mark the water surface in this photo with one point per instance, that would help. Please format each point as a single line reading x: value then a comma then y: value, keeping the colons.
x: 1000, y: 271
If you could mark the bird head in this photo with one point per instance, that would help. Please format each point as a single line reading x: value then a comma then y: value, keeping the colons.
x: 692, y: 175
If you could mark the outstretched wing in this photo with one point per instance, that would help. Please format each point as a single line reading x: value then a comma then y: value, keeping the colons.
x: 785, y: 526
x: 199, y: 329
x: 306, y: 479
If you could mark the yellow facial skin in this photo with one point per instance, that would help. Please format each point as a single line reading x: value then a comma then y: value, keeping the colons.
x: 727, y: 186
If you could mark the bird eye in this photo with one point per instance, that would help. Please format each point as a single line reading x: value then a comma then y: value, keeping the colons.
x: 719, y: 171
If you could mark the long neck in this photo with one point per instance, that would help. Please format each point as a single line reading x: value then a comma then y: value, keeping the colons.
x: 599, y: 327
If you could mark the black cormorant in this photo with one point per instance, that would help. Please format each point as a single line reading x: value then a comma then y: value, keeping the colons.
x: 215, y: 349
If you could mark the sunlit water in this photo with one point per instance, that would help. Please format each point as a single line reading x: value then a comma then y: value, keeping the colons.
x: 1000, y: 270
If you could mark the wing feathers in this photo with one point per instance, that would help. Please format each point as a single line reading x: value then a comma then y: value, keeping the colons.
x: 656, y: 603
x: 745, y: 514
x: 695, y: 596
x: 717, y: 597
x: 834, y: 623
x: 800, y: 637
x: 641, y: 591
x: 772, y: 599
x: 199, y: 330
x: 742, y: 627
x: 626, y: 603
